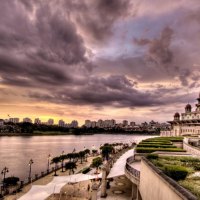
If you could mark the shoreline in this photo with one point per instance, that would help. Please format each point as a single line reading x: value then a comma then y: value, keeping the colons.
x: 66, y: 134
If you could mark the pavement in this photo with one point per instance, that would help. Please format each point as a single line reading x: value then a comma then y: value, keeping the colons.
x: 47, y: 179
x: 120, y: 189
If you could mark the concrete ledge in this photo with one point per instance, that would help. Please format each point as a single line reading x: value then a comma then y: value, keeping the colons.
x: 191, y: 149
x: 179, y: 190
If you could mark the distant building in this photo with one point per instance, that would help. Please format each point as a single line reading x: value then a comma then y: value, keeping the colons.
x: 61, y: 123
x: 87, y: 123
x: 14, y: 120
x: 132, y: 124
x: 1, y: 122
x: 50, y: 122
x: 188, y: 123
x: 37, y: 121
x: 99, y: 123
x: 74, y: 124
x: 93, y: 124
x: 125, y: 123
x: 26, y: 119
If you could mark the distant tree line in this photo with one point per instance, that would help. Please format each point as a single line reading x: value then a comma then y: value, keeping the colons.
x: 29, y: 128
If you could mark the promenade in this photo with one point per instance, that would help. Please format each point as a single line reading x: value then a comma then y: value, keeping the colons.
x: 47, y: 179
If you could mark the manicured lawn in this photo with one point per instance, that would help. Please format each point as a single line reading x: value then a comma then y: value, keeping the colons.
x: 182, y: 169
x: 159, y: 144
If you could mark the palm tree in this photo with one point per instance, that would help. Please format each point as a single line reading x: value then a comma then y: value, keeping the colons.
x: 81, y: 155
x: 96, y: 162
x: 70, y: 156
x: 70, y: 166
x: 55, y: 161
x: 62, y: 158
x: 75, y: 157
x: 87, y: 152
x: 106, y: 150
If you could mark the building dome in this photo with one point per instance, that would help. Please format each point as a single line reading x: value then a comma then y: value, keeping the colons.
x: 188, y: 106
x: 176, y: 115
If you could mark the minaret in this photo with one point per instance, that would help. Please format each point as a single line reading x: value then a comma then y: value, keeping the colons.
x: 177, y: 117
x: 188, y: 108
x: 198, y: 104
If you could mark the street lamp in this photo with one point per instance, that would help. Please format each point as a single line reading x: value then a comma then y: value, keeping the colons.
x: 30, y: 164
x: 48, y: 163
x: 3, y: 172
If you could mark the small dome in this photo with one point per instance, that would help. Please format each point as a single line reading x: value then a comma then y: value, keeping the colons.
x: 177, y: 115
x: 188, y: 106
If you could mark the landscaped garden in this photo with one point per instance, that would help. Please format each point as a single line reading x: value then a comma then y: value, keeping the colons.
x: 184, y: 170
x: 159, y: 144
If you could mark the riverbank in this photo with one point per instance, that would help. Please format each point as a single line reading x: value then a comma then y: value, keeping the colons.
x: 64, y: 133
x: 47, y: 179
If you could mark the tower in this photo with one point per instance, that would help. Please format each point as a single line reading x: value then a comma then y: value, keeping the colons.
x: 188, y: 108
x: 198, y: 104
x: 177, y: 117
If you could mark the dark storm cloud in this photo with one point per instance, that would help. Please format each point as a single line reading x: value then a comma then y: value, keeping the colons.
x: 43, y: 48
x: 159, y: 48
x: 114, y: 91
x: 44, y: 51
x: 96, y: 18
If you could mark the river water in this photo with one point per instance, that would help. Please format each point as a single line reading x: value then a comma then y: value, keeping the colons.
x: 15, y: 152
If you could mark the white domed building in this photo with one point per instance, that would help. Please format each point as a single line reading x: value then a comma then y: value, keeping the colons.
x: 188, y: 123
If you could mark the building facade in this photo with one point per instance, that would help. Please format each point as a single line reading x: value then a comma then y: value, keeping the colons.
x: 187, y: 123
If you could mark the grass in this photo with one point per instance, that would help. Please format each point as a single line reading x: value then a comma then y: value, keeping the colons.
x: 151, y: 149
x: 191, y: 182
x: 159, y: 144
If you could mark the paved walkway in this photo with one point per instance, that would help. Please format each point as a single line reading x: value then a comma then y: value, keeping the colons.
x: 118, y: 167
x: 120, y: 189
x: 45, y: 180
x: 41, y: 192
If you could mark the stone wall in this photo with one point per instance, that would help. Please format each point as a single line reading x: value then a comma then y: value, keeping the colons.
x: 155, y: 185
x: 191, y: 149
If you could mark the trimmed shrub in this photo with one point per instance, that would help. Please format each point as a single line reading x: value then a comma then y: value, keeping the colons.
x: 156, y: 146
x: 86, y: 170
x: 11, y: 180
x: 151, y: 150
x: 152, y: 156
x: 176, y: 172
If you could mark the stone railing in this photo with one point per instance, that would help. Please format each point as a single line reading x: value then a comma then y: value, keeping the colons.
x: 132, y: 173
x: 191, y: 149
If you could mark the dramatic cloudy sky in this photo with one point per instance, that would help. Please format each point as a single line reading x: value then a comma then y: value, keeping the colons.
x: 91, y: 59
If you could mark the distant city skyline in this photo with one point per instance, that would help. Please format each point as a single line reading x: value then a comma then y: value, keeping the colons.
x: 103, y: 59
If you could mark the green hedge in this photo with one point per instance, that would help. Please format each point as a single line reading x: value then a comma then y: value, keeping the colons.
x: 172, y: 139
x: 152, y: 156
x: 150, y: 150
x: 86, y: 170
x: 164, y: 143
x: 175, y: 172
x: 156, y: 146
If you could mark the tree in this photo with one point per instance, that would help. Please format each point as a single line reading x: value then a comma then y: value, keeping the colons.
x: 94, y: 151
x: 55, y: 161
x: 62, y: 158
x: 96, y: 162
x: 70, y: 166
x: 106, y: 150
x: 75, y: 157
x: 87, y: 152
x: 11, y: 181
x: 81, y: 156
x: 70, y: 156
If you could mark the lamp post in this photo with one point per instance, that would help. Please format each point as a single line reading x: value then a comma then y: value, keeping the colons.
x: 30, y: 164
x: 3, y: 172
x: 48, y: 162
x: 62, y: 160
